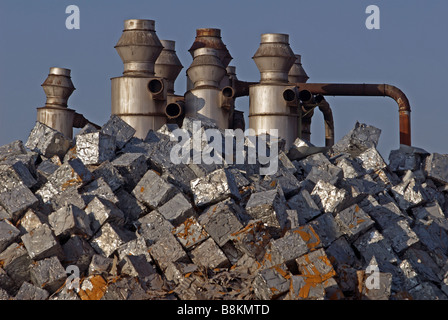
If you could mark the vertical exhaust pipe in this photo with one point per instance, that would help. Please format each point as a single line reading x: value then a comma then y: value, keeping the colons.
x: 58, y: 87
x: 271, y: 101
x: 139, y: 96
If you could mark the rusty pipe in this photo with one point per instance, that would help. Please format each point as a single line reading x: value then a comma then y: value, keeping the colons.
x: 175, y: 110
x: 341, y: 89
x: 242, y: 88
x: 324, y: 107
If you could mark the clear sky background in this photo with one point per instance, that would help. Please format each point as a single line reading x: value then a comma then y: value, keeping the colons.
x: 409, y: 51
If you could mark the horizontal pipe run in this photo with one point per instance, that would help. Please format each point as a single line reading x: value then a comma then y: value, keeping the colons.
x: 338, y: 89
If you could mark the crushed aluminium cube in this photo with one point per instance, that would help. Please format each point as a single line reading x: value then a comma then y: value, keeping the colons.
x: 221, y: 220
x: 326, y: 228
x: 305, y: 206
x: 47, y: 141
x: 109, y: 238
x: 70, y: 220
x: 110, y: 175
x: 15, y: 196
x: 48, y: 274
x: 316, y: 266
x: 98, y: 188
x: 371, y: 160
x: 409, y: 192
x: 134, y: 247
x: 153, y: 226
x: 177, y: 209
x: 436, y: 167
x: 136, y: 266
x: 400, y: 235
x: 16, y: 263
x: 153, y: 190
x: 167, y: 250
x: 8, y: 234
x: 78, y: 252
x: 353, y: 221
x: 214, y: 187
x: 94, y: 148
x: 31, y: 292
x: 119, y: 129
x: 100, y: 265
x: 41, y: 243
x: 328, y: 197
x: 189, y: 233
x: 359, y: 139
x: 132, y: 167
x: 101, y: 211
x: 209, y: 255
x: 272, y: 282
x: 268, y: 207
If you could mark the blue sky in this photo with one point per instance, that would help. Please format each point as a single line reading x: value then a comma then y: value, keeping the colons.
x: 409, y: 51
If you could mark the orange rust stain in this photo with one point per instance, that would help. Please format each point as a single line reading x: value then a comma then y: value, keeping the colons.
x: 142, y: 189
x: 282, y: 272
x: 273, y: 183
x: 98, y: 290
x: 356, y: 208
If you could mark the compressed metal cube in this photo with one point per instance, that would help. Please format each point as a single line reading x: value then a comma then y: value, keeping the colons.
x: 253, y: 239
x: 8, y: 234
x: 316, y: 265
x: 371, y: 160
x: 68, y: 196
x: 48, y: 274
x: 109, y: 238
x: 209, y: 255
x: 328, y: 173
x: 284, y: 179
x: 100, y: 265
x: 221, y: 220
x: 177, y: 209
x: 304, y: 288
x: 351, y: 169
x: 406, y: 158
x: 314, y: 160
x: 432, y: 236
x: 308, y: 235
x: 436, y: 167
x: 22, y: 171
x: 78, y: 252
x: 31, y: 292
x: 425, y: 267
x: 409, y: 192
x: 180, y: 175
x: 119, y: 129
x: 285, y: 249
x: 167, y: 250
x: 136, y: 266
x: 384, y: 213
x: 340, y: 253
x: 272, y: 282
x: 134, y: 247
x: 153, y: 191
x: 431, y: 212
x: 214, y: 187
x: 70, y: 220
x: 95, y: 147
x: 132, y: 167
x: 372, y: 288
x: 15, y: 196
x: 359, y: 188
x: 400, y: 235
x: 305, y: 206
x: 190, y: 233
x: 153, y: 227
x: 326, y: 228
x: 17, y: 263
x: 101, y: 211
x: 109, y: 174
x: 45, y: 169
x: 359, y: 139
x: 328, y: 197
x: 427, y: 291
x: 73, y: 173
x: 47, y: 141
x: 41, y: 243
x: 353, y: 221
x: 12, y: 149
x: 7, y: 284
x: 373, y: 244
x: 131, y: 208
x: 125, y: 289
x: 98, y: 188
x: 269, y: 207
x: 4, y: 295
